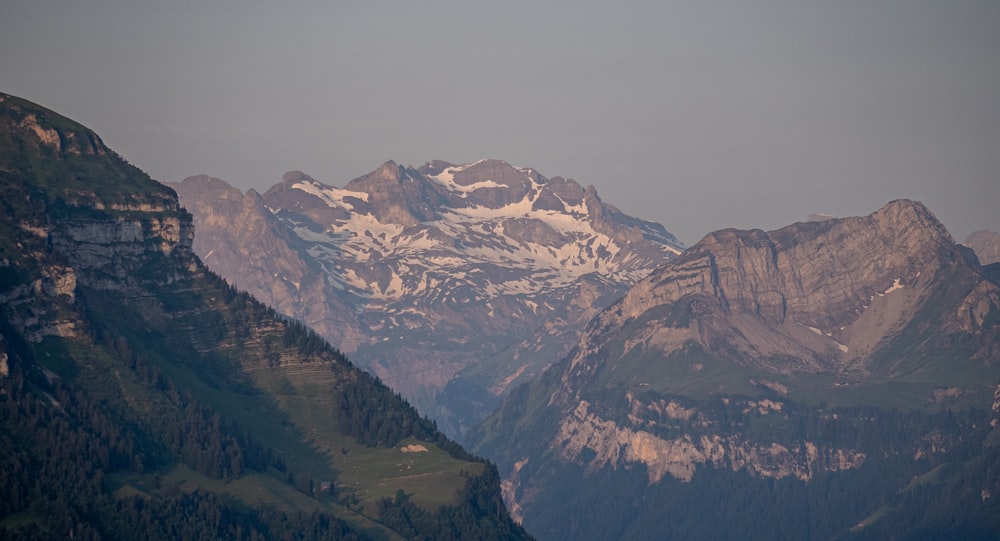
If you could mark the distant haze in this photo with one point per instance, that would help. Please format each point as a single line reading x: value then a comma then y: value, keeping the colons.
x: 696, y: 115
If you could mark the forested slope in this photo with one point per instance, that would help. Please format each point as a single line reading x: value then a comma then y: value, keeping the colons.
x: 142, y: 397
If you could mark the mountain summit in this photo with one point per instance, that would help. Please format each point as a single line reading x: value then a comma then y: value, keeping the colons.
x: 451, y: 282
x: 817, y: 297
x: 821, y: 366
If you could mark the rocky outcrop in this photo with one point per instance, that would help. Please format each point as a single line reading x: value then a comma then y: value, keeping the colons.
x: 81, y: 217
x: 583, y: 433
x: 105, y: 253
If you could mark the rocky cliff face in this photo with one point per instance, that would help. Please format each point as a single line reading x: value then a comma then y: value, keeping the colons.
x: 616, y: 446
x: 751, y: 353
x: 811, y: 297
x: 104, y: 234
x: 105, y: 255
x: 451, y: 282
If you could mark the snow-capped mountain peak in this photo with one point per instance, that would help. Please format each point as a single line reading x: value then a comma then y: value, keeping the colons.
x: 446, y: 265
x: 494, y: 229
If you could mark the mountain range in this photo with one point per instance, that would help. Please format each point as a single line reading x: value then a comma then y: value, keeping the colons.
x: 838, y: 378
x: 142, y: 397
x: 452, y: 283
x: 831, y: 379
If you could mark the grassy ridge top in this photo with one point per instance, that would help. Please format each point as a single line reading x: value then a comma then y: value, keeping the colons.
x: 68, y: 160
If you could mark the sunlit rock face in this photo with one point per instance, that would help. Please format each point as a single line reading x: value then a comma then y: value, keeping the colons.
x: 616, y: 446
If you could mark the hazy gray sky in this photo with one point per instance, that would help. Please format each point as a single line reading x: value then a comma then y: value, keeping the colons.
x: 699, y: 115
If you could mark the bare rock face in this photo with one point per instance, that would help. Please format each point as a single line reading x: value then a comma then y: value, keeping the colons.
x: 110, y: 219
x: 451, y: 282
x: 612, y: 445
x: 811, y: 297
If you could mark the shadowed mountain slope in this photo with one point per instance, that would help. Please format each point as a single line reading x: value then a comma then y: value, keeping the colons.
x: 143, y: 397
